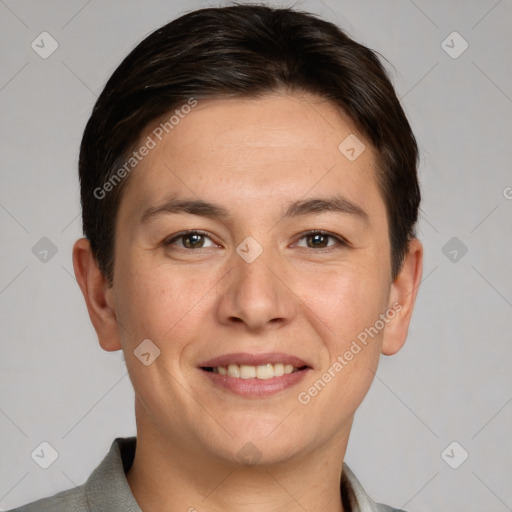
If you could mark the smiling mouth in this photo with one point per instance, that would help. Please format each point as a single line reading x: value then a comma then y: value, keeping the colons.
x: 261, y: 372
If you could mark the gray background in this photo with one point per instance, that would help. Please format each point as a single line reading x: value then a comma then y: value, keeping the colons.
x: 451, y: 382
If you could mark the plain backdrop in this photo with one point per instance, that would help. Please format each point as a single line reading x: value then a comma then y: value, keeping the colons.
x: 451, y: 382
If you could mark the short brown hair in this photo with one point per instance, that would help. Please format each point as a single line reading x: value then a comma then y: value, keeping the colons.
x: 245, y: 51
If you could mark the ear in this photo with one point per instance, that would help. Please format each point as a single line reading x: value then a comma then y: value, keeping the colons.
x: 99, y: 297
x: 402, y: 298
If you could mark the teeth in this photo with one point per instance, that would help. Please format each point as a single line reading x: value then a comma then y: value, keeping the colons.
x: 279, y: 369
x: 263, y: 372
x: 247, y: 372
x: 234, y: 371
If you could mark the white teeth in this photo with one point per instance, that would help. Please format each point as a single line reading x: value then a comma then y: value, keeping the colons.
x: 263, y: 372
x: 234, y: 370
x: 279, y: 369
x: 247, y: 372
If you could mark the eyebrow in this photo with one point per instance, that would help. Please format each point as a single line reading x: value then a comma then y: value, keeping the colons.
x: 336, y: 204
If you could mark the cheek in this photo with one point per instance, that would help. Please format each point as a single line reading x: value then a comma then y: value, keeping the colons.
x: 159, y: 303
x: 350, y: 305
x: 347, y: 300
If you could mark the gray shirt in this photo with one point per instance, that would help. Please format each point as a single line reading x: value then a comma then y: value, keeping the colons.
x: 107, y: 490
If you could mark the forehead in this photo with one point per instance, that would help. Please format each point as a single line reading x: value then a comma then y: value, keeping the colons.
x: 252, y: 151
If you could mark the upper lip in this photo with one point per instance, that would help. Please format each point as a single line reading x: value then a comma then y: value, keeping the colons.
x: 253, y: 360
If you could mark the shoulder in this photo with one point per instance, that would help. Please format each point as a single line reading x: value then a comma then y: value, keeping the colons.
x: 356, y: 498
x: 72, y: 500
x: 379, y: 507
x: 105, y: 489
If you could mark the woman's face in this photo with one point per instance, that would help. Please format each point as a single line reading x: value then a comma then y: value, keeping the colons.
x: 252, y: 288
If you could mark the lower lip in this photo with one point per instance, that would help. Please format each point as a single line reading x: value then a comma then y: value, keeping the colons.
x: 255, y: 388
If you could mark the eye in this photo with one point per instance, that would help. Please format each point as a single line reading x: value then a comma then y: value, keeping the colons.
x: 320, y: 240
x: 189, y: 240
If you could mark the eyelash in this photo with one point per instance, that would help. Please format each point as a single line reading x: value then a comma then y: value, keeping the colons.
x: 341, y: 242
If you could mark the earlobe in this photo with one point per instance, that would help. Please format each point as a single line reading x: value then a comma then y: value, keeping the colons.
x: 404, y: 290
x: 98, y: 297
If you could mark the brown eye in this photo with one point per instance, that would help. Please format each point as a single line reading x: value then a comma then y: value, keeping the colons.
x: 318, y: 240
x: 193, y: 241
x: 321, y: 240
x: 189, y: 240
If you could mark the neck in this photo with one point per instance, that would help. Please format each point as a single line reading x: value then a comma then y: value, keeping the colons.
x: 177, y: 477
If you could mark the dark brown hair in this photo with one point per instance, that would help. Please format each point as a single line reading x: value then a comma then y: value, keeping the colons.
x: 244, y: 51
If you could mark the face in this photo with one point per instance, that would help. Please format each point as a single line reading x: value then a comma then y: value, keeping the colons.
x: 248, y: 243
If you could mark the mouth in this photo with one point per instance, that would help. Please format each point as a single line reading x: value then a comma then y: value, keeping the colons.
x: 252, y: 375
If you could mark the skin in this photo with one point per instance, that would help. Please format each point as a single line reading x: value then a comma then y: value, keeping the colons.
x: 253, y: 157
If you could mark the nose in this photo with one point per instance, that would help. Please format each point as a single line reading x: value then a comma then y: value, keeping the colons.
x: 257, y: 295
